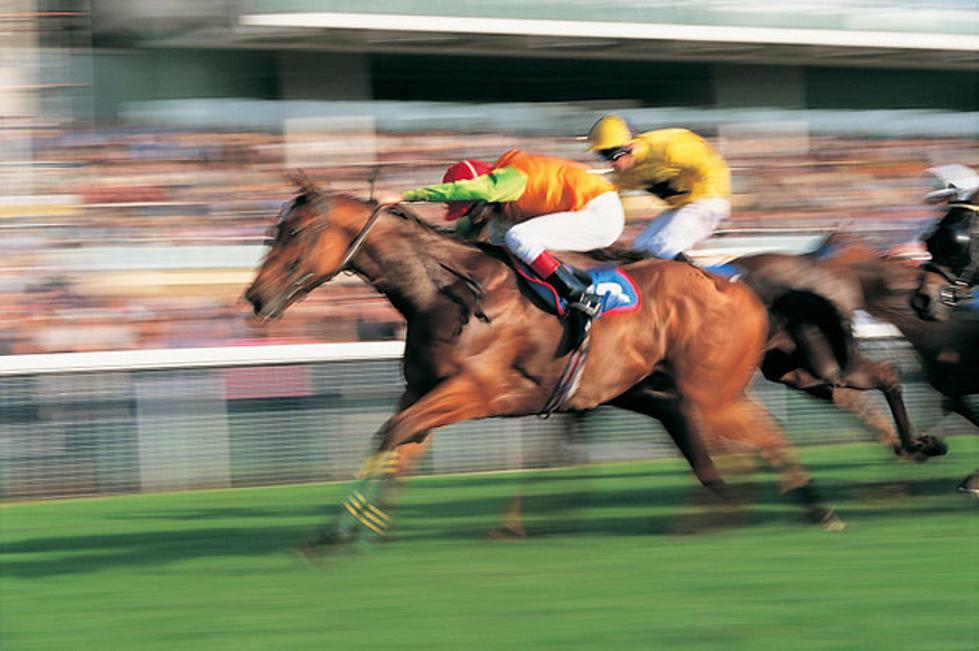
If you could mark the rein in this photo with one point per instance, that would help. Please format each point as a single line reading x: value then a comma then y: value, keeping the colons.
x: 359, y: 240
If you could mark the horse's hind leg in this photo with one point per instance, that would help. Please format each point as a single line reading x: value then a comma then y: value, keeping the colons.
x: 674, y: 416
x: 365, y: 513
x: 744, y: 421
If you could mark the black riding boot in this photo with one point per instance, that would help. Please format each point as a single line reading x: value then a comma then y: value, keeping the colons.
x: 570, y: 285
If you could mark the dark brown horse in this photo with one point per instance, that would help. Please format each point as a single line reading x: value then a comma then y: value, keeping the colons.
x: 477, y: 347
x: 811, y: 301
x: 854, y: 277
x: 948, y: 292
x: 949, y: 281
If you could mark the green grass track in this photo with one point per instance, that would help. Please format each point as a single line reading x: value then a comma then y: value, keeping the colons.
x: 609, y: 564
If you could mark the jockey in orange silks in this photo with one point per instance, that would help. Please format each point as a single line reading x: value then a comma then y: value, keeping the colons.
x: 545, y: 203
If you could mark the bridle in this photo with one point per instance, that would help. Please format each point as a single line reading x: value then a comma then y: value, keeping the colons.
x: 308, y: 243
x: 358, y: 241
x: 959, y: 285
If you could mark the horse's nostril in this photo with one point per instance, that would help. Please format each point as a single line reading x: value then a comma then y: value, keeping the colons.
x: 255, y: 300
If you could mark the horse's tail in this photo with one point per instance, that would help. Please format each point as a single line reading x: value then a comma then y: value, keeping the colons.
x: 799, y: 311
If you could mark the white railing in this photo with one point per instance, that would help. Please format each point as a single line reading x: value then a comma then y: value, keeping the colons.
x: 152, y: 420
x: 224, y: 356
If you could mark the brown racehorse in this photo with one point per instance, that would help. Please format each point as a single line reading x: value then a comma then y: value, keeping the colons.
x: 949, y: 282
x: 852, y: 276
x: 477, y: 347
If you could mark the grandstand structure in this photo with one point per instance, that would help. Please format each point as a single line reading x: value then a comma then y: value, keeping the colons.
x: 99, y: 58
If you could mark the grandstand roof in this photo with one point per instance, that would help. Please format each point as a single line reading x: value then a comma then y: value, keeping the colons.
x: 940, y: 34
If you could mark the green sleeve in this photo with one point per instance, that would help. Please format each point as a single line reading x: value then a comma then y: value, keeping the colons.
x: 464, y: 228
x: 505, y: 184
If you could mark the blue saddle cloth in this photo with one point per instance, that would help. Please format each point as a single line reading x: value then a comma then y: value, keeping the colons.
x: 615, y: 287
x: 726, y: 270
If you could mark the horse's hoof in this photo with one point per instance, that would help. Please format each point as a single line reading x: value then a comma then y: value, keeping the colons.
x: 923, y: 448
x: 970, y: 485
x: 308, y: 554
x: 506, y: 532
x: 833, y: 523
x: 932, y: 446
x: 322, y: 540
x: 826, y: 519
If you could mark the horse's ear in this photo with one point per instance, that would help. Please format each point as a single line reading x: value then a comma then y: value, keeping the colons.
x: 302, y: 181
x: 372, y: 178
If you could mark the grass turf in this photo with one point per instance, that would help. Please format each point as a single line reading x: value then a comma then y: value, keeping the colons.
x: 604, y: 566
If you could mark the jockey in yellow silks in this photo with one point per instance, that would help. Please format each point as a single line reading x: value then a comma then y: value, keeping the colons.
x: 545, y: 203
x: 676, y: 165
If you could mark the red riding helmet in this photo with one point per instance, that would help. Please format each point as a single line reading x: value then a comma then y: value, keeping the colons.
x: 463, y: 171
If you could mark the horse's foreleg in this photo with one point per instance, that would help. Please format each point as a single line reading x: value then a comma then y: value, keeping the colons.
x: 403, y: 440
x: 971, y: 483
x: 452, y: 401
x: 367, y: 507
x: 859, y: 403
x: 865, y: 374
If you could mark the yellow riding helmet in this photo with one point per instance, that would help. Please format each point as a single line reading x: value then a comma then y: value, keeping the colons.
x: 609, y: 132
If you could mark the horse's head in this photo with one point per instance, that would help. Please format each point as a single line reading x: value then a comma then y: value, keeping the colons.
x: 948, y: 279
x: 313, y: 239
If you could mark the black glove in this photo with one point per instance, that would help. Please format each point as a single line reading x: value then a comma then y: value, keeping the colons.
x: 663, y: 189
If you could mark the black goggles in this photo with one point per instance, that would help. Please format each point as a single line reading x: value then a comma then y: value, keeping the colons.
x: 614, y: 153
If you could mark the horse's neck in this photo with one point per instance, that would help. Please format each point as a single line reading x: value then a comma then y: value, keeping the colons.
x: 887, y: 288
x: 408, y: 262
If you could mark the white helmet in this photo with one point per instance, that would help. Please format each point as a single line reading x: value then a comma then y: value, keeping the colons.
x: 952, y: 183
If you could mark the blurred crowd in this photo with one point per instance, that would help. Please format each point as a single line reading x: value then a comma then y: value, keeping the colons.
x: 119, y: 239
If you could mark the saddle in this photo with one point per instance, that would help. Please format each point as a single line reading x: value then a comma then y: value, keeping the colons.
x: 618, y: 294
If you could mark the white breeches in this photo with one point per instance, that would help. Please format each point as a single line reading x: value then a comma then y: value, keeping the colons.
x: 598, y: 224
x: 678, y: 229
